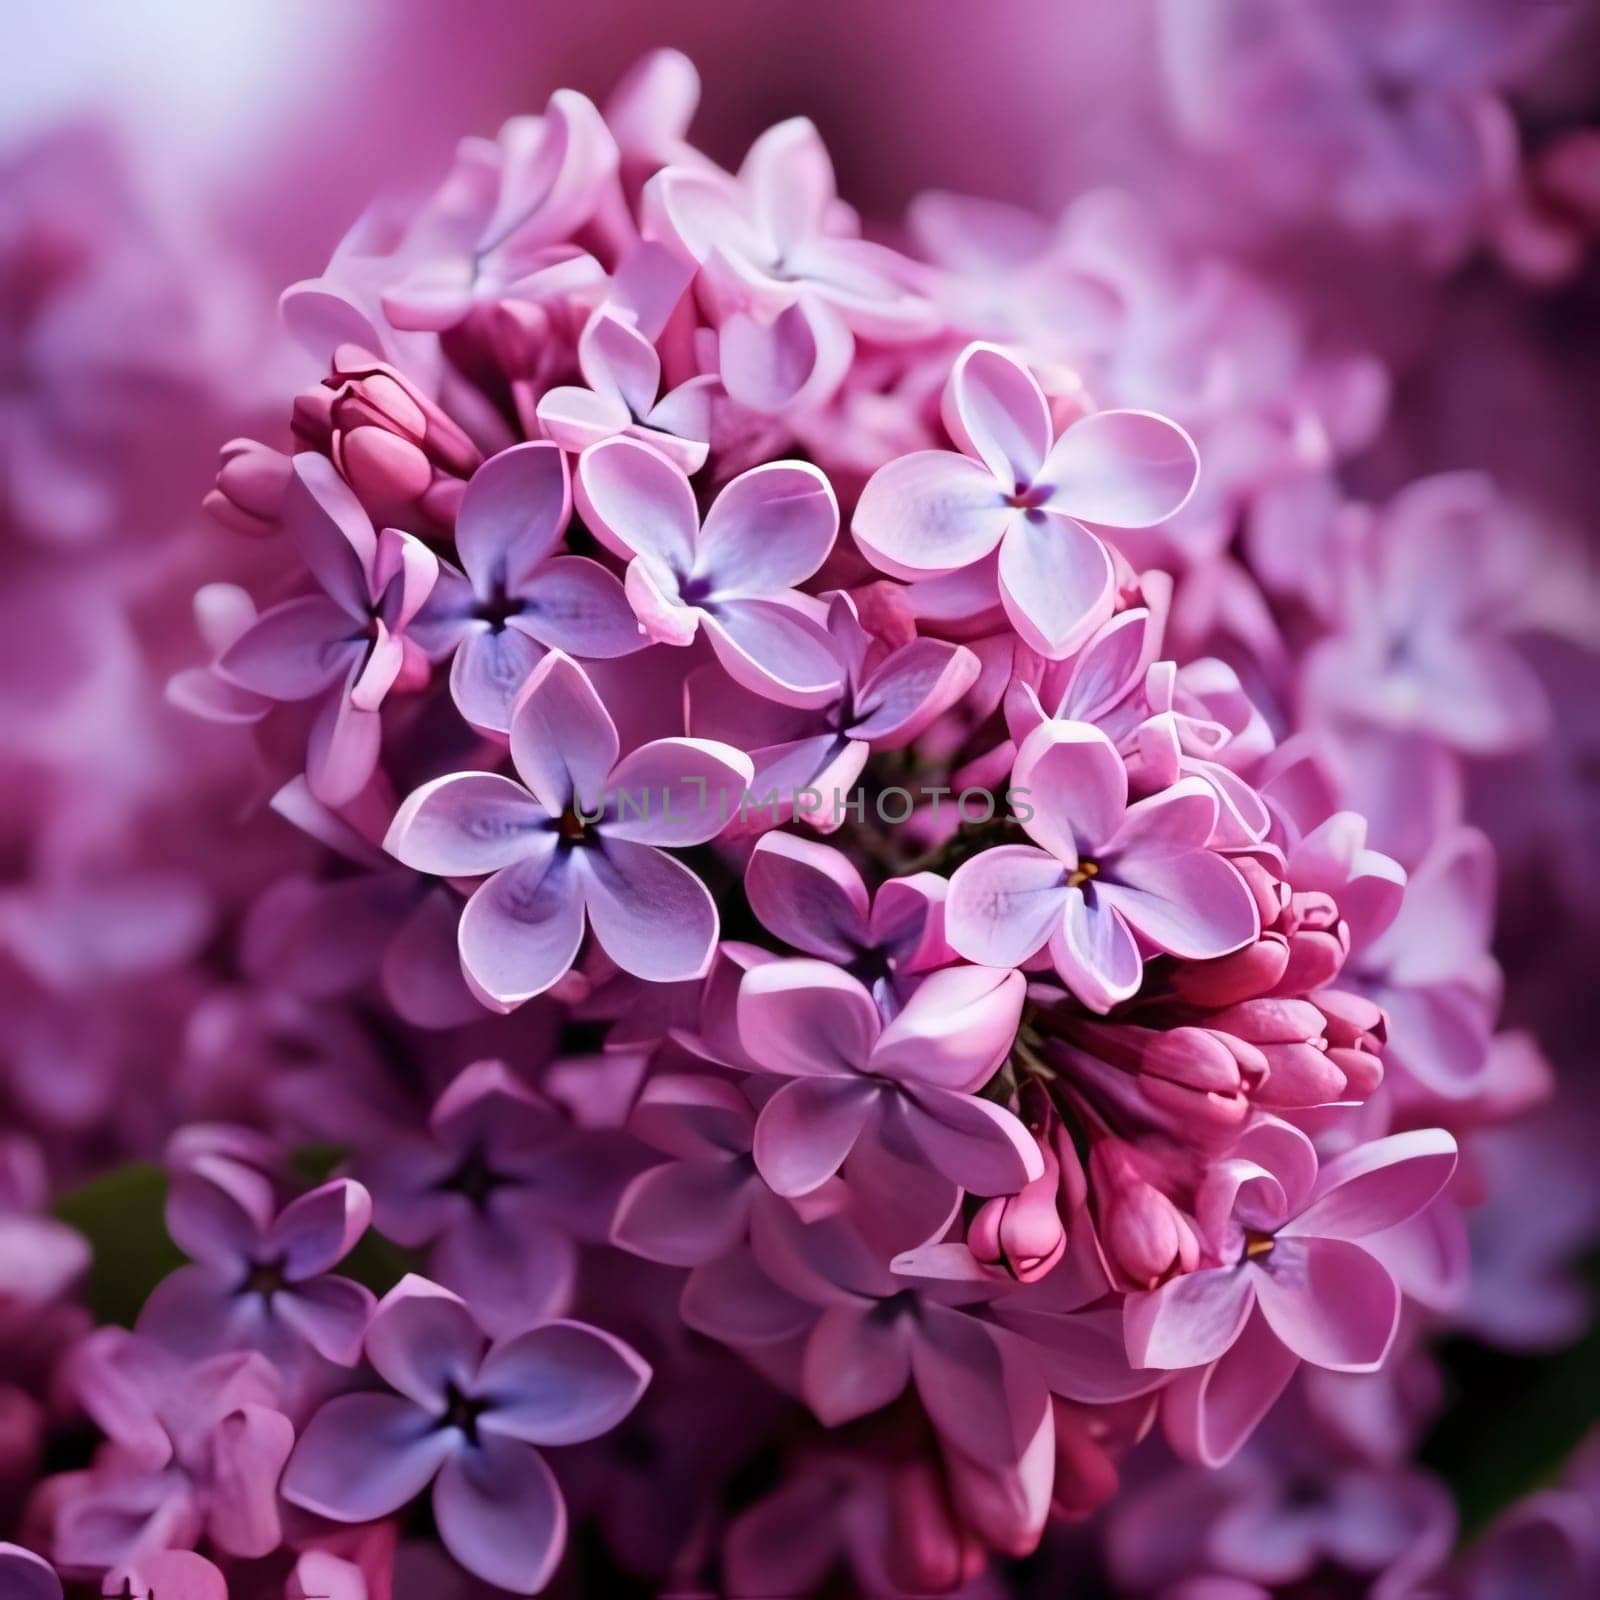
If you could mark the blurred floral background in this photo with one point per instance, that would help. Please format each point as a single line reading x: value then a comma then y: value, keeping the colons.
x: 1377, y: 228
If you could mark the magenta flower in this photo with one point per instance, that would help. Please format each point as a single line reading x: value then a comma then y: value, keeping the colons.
x: 1016, y: 488
x: 504, y: 216
x: 1431, y: 969
x: 1293, y: 1281
x: 623, y: 374
x: 368, y: 919
x: 574, y: 842
x: 813, y: 898
x: 260, y: 1277
x: 785, y: 282
x: 348, y: 646
x: 1102, y: 875
x: 695, y: 1206
x: 1432, y: 602
x: 466, y: 1417
x: 888, y: 696
x: 736, y: 577
x: 494, y: 1190
x: 911, y: 1081
x: 517, y: 598
x: 1101, y: 684
x: 195, y: 1451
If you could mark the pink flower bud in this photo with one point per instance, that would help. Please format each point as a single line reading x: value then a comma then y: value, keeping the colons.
x: 1288, y: 1034
x: 929, y: 1552
x: 1086, y: 1474
x: 248, y: 497
x: 391, y: 443
x: 1145, y: 1237
x: 1257, y: 969
x: 1355, y: 1029
x: 1319, y: 941
x: 1199, y: 1073
x: 1270, y: 891
x: 1022, y: 1232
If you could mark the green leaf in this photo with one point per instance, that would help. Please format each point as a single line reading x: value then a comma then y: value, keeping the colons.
x: 122, y: 1216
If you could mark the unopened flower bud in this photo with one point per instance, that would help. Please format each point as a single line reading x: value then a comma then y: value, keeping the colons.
x: 1086, y: 1474
x: 1355, y: 1030
x: 1197, y: 1072
x: 1145, y: 1237
x: 392, y: 445
x: 251, y: 480
x: 1255, y: 970
x: 1288, y: 1033
x: 929, y: 1552
x: 1022, y: 1232
x: 1319, y: 941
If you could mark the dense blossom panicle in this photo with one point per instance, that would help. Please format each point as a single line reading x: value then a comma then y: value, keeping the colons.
x: 861, y: 880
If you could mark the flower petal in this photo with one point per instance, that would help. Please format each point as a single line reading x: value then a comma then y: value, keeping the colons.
x: 917, y: 683
x: 1057, y: 582
x: 332, y: 531
x: 807, y: 1128
x: 293, y: 651
x: 576, y: 605
x: 637, y: 503
x: 1123, y: 469
x: 330, y: 1314
x: 1190, y: 1320
x: 984, y: 1401
x: 932, y: 511
x: 806, y: 1019
x: 954, y: 1030
x: 422, y: 1341
x: 995, y: 410
x: 1377, y: 1185
x: 855, y: 1363
x: 560, y: 1383
x: 1095, y: 952
x: 500, y: 1514
x: 319, y: 1229
x: 649, y: 913
x: 684, y: 1212
x: 520, y: 932
x: 676, y: 792
x: 563, y: 741
x: 1210, y: 1412
x: 469, y: 823
x: 774, y: 649
x: 1076, y: 789
x: 808, y: 895
x: 1329, y: 1301
x: 768, y: 530
x: 490, y: 669
x: 1004, y: 904
x: 363, y: 1456
x: 973, y: 1142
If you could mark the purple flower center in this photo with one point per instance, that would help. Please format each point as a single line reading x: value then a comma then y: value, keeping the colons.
x: 265, y: 1278
x: 475, y: 1179
x: 1028, y: 496
x: 1257, y: 1245
x: 500, y: 608
x: 1082, y: 873
x: 461, y: 1411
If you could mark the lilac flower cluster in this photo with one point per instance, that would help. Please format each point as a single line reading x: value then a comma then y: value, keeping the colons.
x: 783, y: 1192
